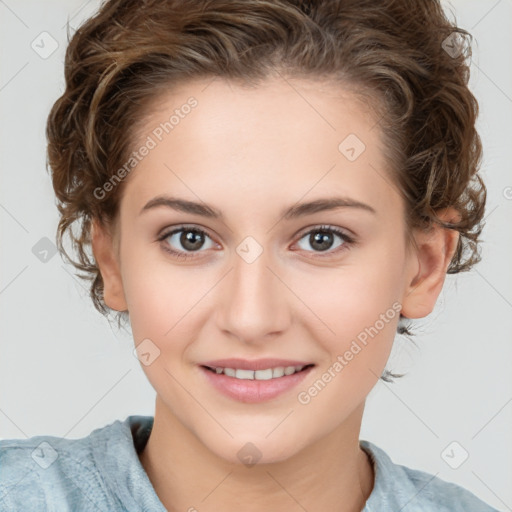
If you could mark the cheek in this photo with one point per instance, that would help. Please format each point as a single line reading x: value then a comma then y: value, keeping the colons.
x: 364, y: 326
x: 344, y: 301
x: 354, y: 312
x: 168, y: 305
x: 157, y: 294
x: 162, y: 303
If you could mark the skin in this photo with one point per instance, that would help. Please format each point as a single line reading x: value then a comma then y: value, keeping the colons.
x: 251, y: 152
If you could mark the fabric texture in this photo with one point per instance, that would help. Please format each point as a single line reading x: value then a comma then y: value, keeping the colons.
x: 102, y: 472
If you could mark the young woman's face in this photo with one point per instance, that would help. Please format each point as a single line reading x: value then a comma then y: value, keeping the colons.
x: 320, y: 286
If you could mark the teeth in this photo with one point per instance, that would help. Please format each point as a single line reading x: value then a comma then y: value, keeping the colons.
x: 230, y: 372
x: 289, y: 370
x: 245, y: 374
x: 264, y: 374
x: 278, y: 372
x: 267, y: 374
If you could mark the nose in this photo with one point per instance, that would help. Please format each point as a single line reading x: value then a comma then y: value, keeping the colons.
x: 254, y: 302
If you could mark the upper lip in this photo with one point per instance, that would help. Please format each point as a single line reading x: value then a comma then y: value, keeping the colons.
x: 256, y: 364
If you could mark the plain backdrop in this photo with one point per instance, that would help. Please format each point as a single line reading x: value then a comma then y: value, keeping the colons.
x: 65, y: 371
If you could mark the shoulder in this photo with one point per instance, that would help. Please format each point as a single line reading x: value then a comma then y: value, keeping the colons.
x: 442, y: 495
x: 397, y: 486
x: 50, y: 473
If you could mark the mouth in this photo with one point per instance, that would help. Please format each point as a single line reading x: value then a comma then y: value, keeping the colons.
x: 264, y: 374
x: 254, y: 381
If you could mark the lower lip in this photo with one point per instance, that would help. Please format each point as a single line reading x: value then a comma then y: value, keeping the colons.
x: 254, y: 391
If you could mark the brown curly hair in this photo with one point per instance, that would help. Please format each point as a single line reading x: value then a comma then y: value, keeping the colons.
x: 405, y: 59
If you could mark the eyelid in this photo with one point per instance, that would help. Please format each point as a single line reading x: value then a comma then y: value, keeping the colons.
x: 349, y: 235
x: 169, y: 230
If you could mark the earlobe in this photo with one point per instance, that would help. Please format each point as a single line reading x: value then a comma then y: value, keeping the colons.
x: 433, y: 254
x: 107, y: 262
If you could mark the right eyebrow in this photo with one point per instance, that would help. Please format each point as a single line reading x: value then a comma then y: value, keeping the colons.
x: 183, y: 205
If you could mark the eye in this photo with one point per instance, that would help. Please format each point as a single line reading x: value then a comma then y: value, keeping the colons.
x: 188, y: 239
x: 191, y: 240
x: 323, y: 239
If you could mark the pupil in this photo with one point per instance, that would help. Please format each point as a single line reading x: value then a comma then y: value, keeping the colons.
x: 323, y: 239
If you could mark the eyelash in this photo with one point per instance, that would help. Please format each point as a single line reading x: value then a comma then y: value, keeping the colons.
x: 348, y: 240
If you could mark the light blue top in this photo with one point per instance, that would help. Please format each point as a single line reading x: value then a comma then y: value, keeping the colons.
x: 102, y: 473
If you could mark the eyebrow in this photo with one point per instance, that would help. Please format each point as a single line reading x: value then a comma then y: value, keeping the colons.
x: 293, y: 212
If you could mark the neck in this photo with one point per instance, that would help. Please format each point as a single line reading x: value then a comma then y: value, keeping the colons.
x: 333, y: 473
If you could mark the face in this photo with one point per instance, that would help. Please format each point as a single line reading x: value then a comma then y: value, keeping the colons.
x: 237, y: 277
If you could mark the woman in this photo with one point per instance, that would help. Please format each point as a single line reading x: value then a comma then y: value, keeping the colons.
x: 269, y: 189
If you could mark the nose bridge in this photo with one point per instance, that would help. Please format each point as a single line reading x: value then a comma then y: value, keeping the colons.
x: 254, y: 303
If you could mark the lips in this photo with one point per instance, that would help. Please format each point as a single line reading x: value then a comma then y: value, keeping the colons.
x: 250, y: 381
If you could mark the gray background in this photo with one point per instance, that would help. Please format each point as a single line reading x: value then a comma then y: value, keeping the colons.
x: 64, y: 371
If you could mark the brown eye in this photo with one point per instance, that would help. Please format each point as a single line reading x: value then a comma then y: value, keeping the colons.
x: 185, y: 240
x: 191, y: 240
x: 325, y: 239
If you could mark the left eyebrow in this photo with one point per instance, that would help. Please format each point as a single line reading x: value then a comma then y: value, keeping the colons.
x: 319, y: 205
x: 293, y: 212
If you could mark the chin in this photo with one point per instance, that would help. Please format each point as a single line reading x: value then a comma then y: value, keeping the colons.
x: 248, y: 450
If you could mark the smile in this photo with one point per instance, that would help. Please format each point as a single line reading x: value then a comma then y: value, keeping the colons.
x: 265, y: 374
x: 266, y: 380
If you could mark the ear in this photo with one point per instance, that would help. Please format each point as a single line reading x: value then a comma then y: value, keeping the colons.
x: 432, y: 255
x: 105, y: 254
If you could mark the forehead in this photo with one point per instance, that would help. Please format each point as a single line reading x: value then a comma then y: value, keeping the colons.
x: 283, y: 106
x: 274, y: 142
